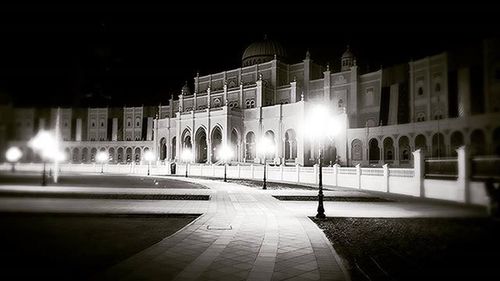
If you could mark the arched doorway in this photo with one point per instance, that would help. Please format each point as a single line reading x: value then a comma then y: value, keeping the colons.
x: 478, y: 142
x: 201, y: 146
x: 388, y: 150
x: 438, y: 147
x: 111, y: 155
x: 85, y: 153
x: 356, y: 150
x: 374, y: 151
x: 404, y: 149
x: 93, y: 153
x: 174, y: 147
x: 235, y: 146
x: 421, y: 143
x: 216, y: 142
x: 456, y: 141
x: 250, y: 146
x: 270, y: 135
x: 163, y: 149
x: 137, y: 155
x: 290, y: 145
x: 119, y: 156
x: 76, y: 155
x: 128, y: 155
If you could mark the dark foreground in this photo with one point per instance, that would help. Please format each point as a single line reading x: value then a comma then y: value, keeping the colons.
x: 417, y: 249
x: 75, y: 247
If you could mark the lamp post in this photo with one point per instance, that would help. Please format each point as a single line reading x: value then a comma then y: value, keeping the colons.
x: 149, y: 156
x: 187, y: 156
x: 13, y: 155
x: 264, y: 148
x: 321, y: 125
x: 46, y: 145
x: 102, y: 157
x: 225, y: 154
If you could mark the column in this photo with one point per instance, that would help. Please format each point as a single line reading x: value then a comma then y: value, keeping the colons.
x: 419, y: 171
x: 463, y: 179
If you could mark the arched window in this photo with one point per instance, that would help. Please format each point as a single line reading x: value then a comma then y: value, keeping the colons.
x: 420, y: 91
x: 129, y: 122
x: 404, y: 148
x: 250, y: 146
x: 437, y: 88
x: 356, y: 150
x: 374, y: 151
x: 388, y: 149
x: 456, y: 140
x: 137, y: 122
x: 290, y: 144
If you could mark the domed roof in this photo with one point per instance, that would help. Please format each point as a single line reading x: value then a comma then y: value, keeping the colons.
x: 262, y: 51
x: 347, y: 53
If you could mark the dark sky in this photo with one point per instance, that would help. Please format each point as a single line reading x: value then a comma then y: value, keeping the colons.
x: 134, y: 59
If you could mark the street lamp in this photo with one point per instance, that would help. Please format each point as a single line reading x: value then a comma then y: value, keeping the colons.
x: 225, y: 154
x: 13, y: 155
x: 264, y: 148
x: 46, y: 145
x: 102, y: 157
x: 319, y: 126
x: 187, y: 156
x: 149, y: 156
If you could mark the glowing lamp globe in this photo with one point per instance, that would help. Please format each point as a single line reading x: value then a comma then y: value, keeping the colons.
x: 102, y: 157
x: 225, y: 153
x: 186, y: 155
x: 13, y: 154
x: 149, y: 156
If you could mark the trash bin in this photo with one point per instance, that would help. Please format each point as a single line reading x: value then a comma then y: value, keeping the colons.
x: 172, y: 168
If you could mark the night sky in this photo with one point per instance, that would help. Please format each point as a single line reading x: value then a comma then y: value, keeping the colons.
x: 142, y: 59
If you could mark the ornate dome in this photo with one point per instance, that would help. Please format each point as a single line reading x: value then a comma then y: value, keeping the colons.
x: 262, y: 51
x: 348, y: 53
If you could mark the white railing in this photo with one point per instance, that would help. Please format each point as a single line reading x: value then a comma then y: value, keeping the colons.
x: 404, y: 173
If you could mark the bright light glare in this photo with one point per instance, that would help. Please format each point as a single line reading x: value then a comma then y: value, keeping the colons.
x: 149, y: 156
x: 13, y: 154
x: 186, y: 155
x: 321, y: 123
x: 45, y: 144
x: 225, y: 153
x: 59, y: 156
x: 102, y: 157
x: 265, y: 146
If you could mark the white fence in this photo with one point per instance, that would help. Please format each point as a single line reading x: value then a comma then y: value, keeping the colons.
x: 394, y: 180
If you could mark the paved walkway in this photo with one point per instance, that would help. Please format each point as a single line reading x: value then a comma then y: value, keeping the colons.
x: 244, y: 235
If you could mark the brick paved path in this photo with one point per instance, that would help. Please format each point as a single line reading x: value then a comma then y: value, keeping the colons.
x: 246, y: 234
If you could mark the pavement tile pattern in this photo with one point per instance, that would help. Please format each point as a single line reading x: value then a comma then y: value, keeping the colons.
x: 246, y: 234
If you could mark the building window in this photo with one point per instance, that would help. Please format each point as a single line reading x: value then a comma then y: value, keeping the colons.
x: 102, y: 124
x: 341, y: 103
x: 129, y: 122
x: 250, y: 103
x: 420, y: 117
x: 369, y: 98
x: 438, y: 87
x: 65, y: 124
x: 420, y: 91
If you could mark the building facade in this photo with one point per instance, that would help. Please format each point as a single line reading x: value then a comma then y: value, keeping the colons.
x: 436, y: 104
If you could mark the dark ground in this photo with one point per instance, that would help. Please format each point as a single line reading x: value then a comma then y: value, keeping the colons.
x: 75, y: 247
x: 96, y: 180
x: 417, y: 249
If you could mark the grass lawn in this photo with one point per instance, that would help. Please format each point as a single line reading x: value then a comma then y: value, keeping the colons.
x: 417, y: 248
x: 74, y: 247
